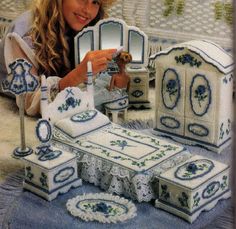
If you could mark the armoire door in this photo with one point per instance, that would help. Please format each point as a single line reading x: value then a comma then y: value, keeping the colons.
x: 200, y: 104
x: 170, y: 98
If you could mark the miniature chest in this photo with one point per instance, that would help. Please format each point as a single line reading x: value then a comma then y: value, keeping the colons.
x: 193, y: 186
x: 50, y: 174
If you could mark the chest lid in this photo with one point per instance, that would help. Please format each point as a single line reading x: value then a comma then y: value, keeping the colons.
x: 50, y: 160
x: 194, y: 172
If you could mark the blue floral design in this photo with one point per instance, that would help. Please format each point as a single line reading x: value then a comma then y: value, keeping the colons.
x: 102, y: 207
x: 196, y: 200
x: 164, y: 192
x: 171, y: 88
x: 188, y: 59
x: 70, y: 102
x: 120, y: 143
x: 183, y: 200
x: 43, y: 180
x: 20, y: 80
x: 200, y: 94
x: 192, y: 167
x: 224, y: 184
x: 29, y: 174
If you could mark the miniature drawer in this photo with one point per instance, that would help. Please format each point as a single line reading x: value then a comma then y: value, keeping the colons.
x: 138, y: 93
x: 199, y: 130
x: 48, y: 178
x: 193, y: 186
x: 170, y: 123
x: 138, y: 79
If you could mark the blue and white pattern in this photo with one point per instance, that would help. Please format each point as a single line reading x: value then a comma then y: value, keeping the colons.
x: 20, y: 80
x: 84, y: 116
x: 169, y: 122
x: 48, y: 154
x: 101, y: 207
x: 192, y: 187
x: 131, y: 158
x: 64, y: 174
x: 70, y: 103
x: 194, y: 169
x: 198, y: 129
x: 200, y: 95
x: 43, y: 130
x: 188, y: 59
x: 211, y: 190
x: 170, y: 88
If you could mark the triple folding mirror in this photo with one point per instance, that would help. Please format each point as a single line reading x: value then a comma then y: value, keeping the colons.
x: 113, y: 33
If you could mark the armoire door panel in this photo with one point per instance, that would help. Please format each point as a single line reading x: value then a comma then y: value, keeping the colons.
x: 200, y: 95
x: 172, y: 89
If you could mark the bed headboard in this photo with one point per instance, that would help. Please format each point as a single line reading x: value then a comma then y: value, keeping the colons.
x: 67, y: 102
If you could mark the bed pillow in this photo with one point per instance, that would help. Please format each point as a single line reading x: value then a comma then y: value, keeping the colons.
x: 82, y: 123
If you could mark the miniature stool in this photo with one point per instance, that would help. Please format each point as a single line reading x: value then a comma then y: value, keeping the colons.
x: 114, y: 114
x: 193, y: 186
x: 117, y: 106
x: 49, y: 171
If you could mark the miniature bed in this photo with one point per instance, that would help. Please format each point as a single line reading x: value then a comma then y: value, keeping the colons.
x: 114, y: 158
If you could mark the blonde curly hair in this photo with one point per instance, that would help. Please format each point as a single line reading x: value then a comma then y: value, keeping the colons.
x: 48, y: 35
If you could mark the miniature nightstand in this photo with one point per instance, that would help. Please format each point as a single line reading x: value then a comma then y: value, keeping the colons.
x: 139, y: 87
x: 49, y: 171
x: 193, y: 186
x: 50, y: 175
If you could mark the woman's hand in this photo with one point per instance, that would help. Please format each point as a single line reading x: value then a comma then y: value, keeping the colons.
x: 99, y: 60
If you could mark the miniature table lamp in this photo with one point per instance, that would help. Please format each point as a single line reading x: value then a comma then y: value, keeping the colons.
x: 18, y: 82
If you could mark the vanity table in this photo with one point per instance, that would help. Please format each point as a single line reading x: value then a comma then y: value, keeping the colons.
x: 113, y: 33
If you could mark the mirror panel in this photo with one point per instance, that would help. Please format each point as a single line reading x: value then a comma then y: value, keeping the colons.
x: 85, y: 43
x: 110, y: 35
x: 136, y: 46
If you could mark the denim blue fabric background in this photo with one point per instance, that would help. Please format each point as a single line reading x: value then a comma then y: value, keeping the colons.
x: 31, y: 211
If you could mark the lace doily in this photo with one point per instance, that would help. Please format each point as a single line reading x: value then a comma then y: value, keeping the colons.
x: 101, y: 207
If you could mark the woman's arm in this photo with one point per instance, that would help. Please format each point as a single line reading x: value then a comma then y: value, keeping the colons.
x: 99, y: 60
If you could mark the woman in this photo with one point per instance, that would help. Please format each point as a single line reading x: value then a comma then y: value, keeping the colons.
x: 45, y: 37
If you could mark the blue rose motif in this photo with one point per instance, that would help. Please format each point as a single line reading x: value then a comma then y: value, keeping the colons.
x: 201, y: 89
x: 187, y: 58
x: 70, y: 101
x: 192, y: 167
x: 101, y: 207
x: 200, y: 94
x: 171, y: 84
x: 171, y: 88
x: 120, y: 143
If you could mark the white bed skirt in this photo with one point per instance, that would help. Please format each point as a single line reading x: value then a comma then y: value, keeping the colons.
x: 113, y: 178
